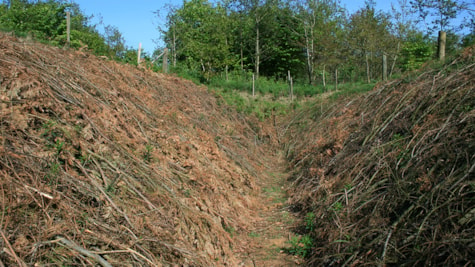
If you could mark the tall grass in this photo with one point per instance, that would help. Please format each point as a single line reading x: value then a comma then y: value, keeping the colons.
x: 264, y: 86
x: 272, y: 97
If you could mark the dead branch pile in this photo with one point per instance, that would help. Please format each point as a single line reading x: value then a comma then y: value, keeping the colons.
x: 102, y: 163
x: 390, y: 176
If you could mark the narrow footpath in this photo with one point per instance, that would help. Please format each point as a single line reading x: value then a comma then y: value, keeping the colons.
x: 266, y: 244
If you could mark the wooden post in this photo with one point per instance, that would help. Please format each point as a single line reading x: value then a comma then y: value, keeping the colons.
x: 253, y: 84
x: 68, y: 28
x: 385, y: 68
x: 291, y: 87
x: 323, y: 77
x: 165, y: 60
x: 336, y: 79
x: 441, y: 45
x: 138, y: 54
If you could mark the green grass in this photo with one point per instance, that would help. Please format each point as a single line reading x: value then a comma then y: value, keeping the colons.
x: 264, y: 86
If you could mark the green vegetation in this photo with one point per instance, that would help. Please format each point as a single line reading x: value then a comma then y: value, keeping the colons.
x: 300, y: 246
x: 45, y: 21
x: 310, y: 221
x: 222, y: 43
x: 147, y: 154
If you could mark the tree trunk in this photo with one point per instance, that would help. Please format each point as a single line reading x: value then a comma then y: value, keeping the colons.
x: 385, y: 68
x: 258, y: 52
x: 309, y: 46
x: 174, y: 48
x: 441, y: 45
x: 394, y: 61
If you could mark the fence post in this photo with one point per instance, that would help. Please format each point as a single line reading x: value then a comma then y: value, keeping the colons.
x: 336, y: 79
x: 441, y: 45
x: 253, y: 84
x: 291, y: 87
x: 138, y: 54
x: 165, y: 60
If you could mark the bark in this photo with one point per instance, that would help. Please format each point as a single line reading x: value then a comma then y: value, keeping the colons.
x: 258, y: 51
x: 441, y: 45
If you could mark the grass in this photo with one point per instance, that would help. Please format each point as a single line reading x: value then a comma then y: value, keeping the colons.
x: 272, y: 97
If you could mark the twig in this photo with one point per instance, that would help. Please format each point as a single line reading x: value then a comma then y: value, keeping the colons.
x: 383, y: 256
x: 105, y: 195
x: 127, y: 251
x: 39, y: 192
x: 18, y: 260
x: 83, y: 251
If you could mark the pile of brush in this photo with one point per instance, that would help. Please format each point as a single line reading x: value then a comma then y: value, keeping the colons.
x: 390, y: 176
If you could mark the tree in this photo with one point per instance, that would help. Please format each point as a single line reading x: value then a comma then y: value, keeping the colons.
x: 442, y: 13
x: 369, y: 38
x: 415, y: 51
x: 42, y: 19
x: 115, y: 41
x: 256, y: 11
x: 198, y: 37
x: 469, y: 39
x: 321, y: 34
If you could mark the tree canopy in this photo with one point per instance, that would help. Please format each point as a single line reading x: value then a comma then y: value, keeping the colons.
x: 310, y: 38
x: 46, y: 21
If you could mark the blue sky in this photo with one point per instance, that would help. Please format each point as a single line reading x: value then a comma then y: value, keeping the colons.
x: 138, y: 23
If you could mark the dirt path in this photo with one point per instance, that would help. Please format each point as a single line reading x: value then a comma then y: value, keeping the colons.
x: 265, y: 244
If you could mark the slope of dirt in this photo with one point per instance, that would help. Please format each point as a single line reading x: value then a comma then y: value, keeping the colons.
x: 390, y: 176
x: 103, y: 163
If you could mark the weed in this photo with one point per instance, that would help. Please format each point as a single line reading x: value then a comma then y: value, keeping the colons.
x: 300, y: 246
x: 52, y: 175
x: 187, y: 193
x: 59, y: 146
x: 253, y: 234
x: 85, y: 159
x: 230, y: 230
x: 111, y: 188
x: 337, y: 206
x: 310, y: 221
x: 348, y: 187
x: 147, y: 154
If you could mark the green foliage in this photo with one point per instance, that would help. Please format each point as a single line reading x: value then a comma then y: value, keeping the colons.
x: 300, y: 246
x: 147, y: 154
x: 253, y: 234
x: 53, y: 170
x: 45, y: 21
x: 440, y: 12
x: 310, y: 221
x: 199, y: 37
x: 415, y: 53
